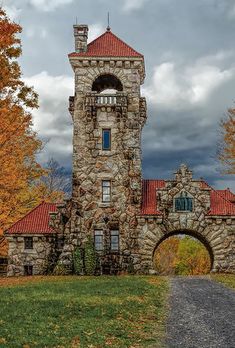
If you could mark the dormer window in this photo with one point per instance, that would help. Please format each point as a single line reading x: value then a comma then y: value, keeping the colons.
x: 183, y: 202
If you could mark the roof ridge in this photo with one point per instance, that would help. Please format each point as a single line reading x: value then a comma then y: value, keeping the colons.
x: 115, y: 47
x: 23, y: 217
x: 222, y: 197
x: 123, y: 42
x: 96, y: 39
x: 154, y: 180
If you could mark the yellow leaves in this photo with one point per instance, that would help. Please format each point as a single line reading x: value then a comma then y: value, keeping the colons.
x: 185, y: 256
x: 18, y: 142
x: 75, y: 342
x: 228, y: 149
x: 3, y: 340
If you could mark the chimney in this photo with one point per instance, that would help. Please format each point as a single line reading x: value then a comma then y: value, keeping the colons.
x: 80, y: 35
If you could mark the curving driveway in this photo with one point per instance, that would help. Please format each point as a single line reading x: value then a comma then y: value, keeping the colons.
x: 202, y: 314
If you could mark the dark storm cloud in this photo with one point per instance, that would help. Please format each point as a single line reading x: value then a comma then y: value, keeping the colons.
x: 190, y: 65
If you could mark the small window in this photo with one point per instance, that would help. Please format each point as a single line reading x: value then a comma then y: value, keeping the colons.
x: 114, y: 240
x: 28, y: 242
x: 99, y: 240
x: 183, y: 203
x: 28, y: 270
x: 106, y: 190
x: 60, y: 243
x: 106, y: 139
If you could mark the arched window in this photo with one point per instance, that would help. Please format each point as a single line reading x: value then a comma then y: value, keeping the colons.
x: 183, y: 202
x: 107, y: 82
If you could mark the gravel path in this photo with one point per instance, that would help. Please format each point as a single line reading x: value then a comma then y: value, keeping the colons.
x: 202, y: 314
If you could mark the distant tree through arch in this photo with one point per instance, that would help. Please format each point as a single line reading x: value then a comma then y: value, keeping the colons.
x: 182, y: 254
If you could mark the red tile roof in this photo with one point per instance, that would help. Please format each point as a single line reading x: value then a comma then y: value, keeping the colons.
x: 220, y: 200
x: 107, y: 45
x: 149, y: 196
x: 220, y: 205
x: 36, y: 221
x: 227, y: 194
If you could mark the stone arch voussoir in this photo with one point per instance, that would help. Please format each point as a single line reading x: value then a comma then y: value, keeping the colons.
x: 213, y: 242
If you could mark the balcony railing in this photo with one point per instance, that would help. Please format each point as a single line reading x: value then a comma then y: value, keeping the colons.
x: 106, y: 99
x: 119, y: 99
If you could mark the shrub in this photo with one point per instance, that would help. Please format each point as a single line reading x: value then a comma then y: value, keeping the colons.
x: 78, y: 261
x: 90, y: 257
x: 60, y: 269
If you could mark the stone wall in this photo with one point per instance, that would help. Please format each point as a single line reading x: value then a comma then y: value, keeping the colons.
x: 121, y: 165
x: 217, y: 233
x: 38, y: 257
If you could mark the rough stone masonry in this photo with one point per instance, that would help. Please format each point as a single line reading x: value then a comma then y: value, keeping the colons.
x: 126, y: 217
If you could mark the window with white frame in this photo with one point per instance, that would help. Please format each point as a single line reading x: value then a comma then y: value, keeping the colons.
x: 99, y: 240
x: 106, y: 190
x: 114, y: 240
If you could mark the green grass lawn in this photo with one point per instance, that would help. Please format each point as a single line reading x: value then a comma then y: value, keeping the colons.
x: 83, y: 312
x: 226, y: 279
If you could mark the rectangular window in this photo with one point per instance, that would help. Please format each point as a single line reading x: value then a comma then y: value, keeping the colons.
x: 106, y: 190
x: 28, y: 242
x: 99, y: 240
x: 183, y: 204
x: 106, y: 139
x: 28, y: 270
x: 114, y: 238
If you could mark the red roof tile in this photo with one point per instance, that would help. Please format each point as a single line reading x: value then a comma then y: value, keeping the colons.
x: 227, y: 194
x: 149, y: 196
x: 220, y: 205
x: 36, y: 221
x: 220, y: 199
x: 108, y: 45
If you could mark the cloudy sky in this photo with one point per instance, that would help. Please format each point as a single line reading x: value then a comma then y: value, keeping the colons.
x: 190, y: 63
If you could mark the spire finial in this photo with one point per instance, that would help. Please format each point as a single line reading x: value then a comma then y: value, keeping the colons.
x: 108, y: 27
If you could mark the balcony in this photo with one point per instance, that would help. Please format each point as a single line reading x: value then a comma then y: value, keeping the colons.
x: 95, y: 99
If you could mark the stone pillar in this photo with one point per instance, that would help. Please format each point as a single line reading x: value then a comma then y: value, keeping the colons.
x: 80, y: 35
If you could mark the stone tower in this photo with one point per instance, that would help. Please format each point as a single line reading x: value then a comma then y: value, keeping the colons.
x: 108, y: 115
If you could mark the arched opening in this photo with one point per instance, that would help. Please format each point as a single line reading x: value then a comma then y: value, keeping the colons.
x: 183, y: 253
x: 107, y: 83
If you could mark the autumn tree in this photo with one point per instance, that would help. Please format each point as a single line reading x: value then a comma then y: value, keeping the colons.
x: 227, y: 152
x: 18, y: 142
x: 54, y: 186
x: 182, y: 256
x: 164, y: 258
x: 192, y: 257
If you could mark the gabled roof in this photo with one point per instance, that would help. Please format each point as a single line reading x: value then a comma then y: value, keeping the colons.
x: 108, y: 45
x: 149, y: 196
x: 220, y: 205
x: 227, y: 194
x: 35, y: 222
x: 219, y: 199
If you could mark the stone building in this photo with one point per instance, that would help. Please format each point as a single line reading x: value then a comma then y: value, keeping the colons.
x: 125, y: 216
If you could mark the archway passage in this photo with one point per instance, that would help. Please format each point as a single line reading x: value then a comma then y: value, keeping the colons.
x: 181, y: 253
x: 107, y: 82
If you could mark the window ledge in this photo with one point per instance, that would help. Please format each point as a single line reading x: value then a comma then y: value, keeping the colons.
x: 106, y: 205
x: 107, y: 153
x: 29, y: 251
x: 183, y: 211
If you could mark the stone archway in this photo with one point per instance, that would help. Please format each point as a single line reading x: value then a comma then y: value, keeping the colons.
x: 190, y: 233
x: 153, y: 234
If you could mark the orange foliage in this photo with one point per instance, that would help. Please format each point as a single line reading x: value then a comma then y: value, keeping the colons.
x: 182, y: 256
x: 228, y: 150
x: 18, y: 142
x: 165, y: 256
